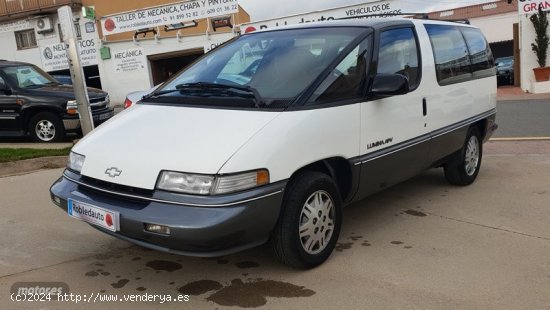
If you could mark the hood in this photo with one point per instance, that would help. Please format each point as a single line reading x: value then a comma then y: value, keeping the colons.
x: 146, y: 139
x: 62, y: 91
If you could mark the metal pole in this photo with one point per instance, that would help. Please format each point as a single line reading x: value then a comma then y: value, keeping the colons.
x: 77, y: 74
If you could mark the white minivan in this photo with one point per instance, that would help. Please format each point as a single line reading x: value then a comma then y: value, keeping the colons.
x: 267, y: 137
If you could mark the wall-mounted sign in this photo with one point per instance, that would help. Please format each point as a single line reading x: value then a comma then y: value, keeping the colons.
x: 377, y: 7
x: 54, y: 56
x: 15, y: 26
x: 90, y: 27
x: 179, y: 12
x: 88, y: 12
x: 221, y: 21
x: 532, y: 6
x: 129, y: 60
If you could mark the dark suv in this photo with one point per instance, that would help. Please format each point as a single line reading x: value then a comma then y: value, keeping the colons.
x: 33, y: 103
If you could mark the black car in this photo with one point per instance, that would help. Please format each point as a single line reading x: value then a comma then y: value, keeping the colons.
x: 505, y: 70
x: 33, y: 103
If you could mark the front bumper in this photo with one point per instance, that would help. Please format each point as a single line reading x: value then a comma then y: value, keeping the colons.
x: 199, y: 226
x: 72, y: 122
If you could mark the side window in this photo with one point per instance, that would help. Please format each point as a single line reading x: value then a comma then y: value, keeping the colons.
x: 481, y: 56
x: 398, y: 53
x: 347, y: 79
x: 452, y: 61
x: 2, y: 83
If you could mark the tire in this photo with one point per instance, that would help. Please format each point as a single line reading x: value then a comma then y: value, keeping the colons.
x: 308, y: 193
x: 462, y: 169
x: 46, y: 127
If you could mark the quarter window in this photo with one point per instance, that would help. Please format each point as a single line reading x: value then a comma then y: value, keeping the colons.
x: 347, y: 79
x: 480, y: 53
x: 452, y: 60
x: 398, y: 54
x: 25, y: 39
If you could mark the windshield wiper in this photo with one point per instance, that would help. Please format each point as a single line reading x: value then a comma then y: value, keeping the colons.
x: 206, y: 85
x: 213, y: 86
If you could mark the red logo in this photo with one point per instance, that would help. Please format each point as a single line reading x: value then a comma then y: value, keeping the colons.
x: 110, y: 25
x: 109, y: 220
x: 249, y: 29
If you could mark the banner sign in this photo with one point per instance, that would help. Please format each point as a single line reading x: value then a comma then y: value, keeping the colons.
x: 129, y: 60
x: 375, y: 7
x: 15, y: 26
x: 532, y: 6
x: 167, y: 14
x: 54, y: 56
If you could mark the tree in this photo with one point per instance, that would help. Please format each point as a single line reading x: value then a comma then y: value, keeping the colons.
x: 540, y: 47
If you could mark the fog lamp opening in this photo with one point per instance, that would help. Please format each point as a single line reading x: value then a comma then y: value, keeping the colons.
x: 157, y: 229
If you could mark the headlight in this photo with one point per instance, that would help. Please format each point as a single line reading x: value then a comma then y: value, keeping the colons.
x: 211, y: 185
x: 76, y: 161
x: 185, y: 183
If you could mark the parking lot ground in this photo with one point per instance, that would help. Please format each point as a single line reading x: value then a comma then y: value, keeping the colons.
x: 422, y: 244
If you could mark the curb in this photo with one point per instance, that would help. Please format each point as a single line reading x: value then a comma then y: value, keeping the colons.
x: 520, y: 139
x: 26, y: 166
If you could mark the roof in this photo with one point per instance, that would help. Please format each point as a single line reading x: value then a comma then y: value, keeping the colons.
x: 375, y: 23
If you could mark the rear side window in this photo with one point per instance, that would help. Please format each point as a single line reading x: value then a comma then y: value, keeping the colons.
x: 481, y: 56
x: 452, y: 61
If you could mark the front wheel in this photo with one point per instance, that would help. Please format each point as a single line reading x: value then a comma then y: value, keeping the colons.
x: 463, y: 167
x: 310, y: 222
x: 46, y: 127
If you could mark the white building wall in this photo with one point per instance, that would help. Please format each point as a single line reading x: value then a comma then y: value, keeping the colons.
x: 529, y: 60
x: 8, y: 44
x: 497, y: 28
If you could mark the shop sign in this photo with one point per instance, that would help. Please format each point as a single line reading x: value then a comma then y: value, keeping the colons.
x: 179, y: 12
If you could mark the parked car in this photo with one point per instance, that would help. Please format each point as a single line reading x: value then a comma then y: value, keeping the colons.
x: 33, y: 103
x: 505, y: 70
x: 133, y: 97
x: 333, y: 113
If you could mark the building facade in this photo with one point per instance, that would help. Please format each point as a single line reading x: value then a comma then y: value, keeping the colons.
x: 124, y: 61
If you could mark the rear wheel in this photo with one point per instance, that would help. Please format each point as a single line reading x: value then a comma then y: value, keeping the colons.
x: 310, y: 222
x: 464, y: 166
x: 46, y: 127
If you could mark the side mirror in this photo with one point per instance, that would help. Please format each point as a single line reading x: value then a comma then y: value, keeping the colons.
x: 387, y: 85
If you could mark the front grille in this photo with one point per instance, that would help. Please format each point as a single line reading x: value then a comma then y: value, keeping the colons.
x: 97, y: 99
x: 123, y: 189
x: 98, y: 103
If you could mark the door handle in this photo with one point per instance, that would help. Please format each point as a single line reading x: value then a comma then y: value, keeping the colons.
x: 424, y: 107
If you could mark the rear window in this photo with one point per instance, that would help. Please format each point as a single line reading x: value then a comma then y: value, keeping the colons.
x: 481, y: 56
x: 461, y: 53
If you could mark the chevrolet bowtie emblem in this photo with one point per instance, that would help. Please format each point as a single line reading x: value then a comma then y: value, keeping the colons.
x: 113, y: 172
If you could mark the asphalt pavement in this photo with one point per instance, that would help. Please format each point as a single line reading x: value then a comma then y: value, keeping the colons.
x: 420, y: 245
x: 523, y: 118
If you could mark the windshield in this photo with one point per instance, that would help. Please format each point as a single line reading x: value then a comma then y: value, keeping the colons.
x: 263, y: 67
x: 28, y: 76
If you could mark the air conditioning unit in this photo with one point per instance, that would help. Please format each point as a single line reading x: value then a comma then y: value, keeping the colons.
x: 44, y: 25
